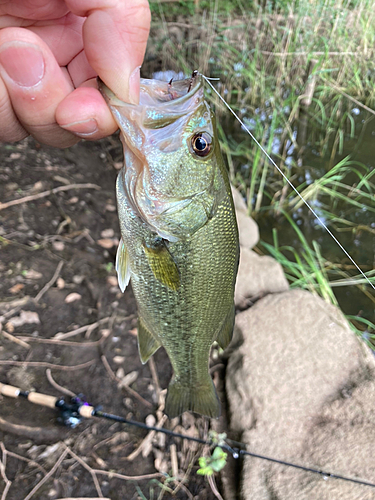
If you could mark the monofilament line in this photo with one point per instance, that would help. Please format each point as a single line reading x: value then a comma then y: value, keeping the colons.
x: 288, y: 181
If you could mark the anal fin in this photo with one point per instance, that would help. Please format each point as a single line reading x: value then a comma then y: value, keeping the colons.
x: 122, y: 266
x: 162, y: 264
x: 226, y: 333
x: 147, y: 343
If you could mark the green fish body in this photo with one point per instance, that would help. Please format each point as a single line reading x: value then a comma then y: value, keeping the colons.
x: 179, y: 234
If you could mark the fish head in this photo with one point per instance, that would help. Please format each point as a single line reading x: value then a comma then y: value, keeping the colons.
x: 172, y: 175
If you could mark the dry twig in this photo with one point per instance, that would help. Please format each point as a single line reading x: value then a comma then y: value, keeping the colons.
x: 36, y: 433
x: 61, y: 342
x: 3, y: 463
x: 146, y: 440
x: 155, y: 377
x: 81, y: 329
x: 89, y: 469
x: 33, y: 197
x: 211, y: 482
x: 47, y: 476
x: 45, y: 364
x: 126, y: 387
x: 12, y: 338
x: 48, y: 285
x: 57, y: 386
x: 27, y: 460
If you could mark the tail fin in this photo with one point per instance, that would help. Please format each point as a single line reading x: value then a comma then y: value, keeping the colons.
x: 200, y: 399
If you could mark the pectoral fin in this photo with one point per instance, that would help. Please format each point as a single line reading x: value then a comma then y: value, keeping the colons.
x: 226, y: 332
x: 122, y: 266
x: 147, y: 344
x: 162, y: 264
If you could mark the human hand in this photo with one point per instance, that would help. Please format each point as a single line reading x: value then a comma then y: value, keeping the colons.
x: 50, y: 54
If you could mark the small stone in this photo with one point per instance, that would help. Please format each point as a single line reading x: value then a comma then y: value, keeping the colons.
x: 150, y: 420
x: 129, y: 379
x: 73, y: 200
x: 110, y: 208
x: 107, y: 233
x: 60, y: 283
x: 112, y: 281
x: 78, y: 279
x: 9, y: 327
x: 58, y: 246
x: 120, y: 373
x: 72, y: 297
x: 106, y: 243
x: 118, y: 360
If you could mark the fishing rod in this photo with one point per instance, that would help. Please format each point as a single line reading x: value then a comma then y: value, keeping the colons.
x: 72, y: 412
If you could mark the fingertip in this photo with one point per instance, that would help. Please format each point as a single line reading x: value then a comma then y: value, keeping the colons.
x: 85, y: 113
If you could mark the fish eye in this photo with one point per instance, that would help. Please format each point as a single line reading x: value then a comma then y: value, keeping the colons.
x: 201, y: 143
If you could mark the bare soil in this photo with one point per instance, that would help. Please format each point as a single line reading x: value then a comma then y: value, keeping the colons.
x: 78, y: 230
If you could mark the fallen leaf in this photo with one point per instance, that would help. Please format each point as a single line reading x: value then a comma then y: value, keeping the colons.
x: 72, y: 297
x: 16, y: 288
x: 31, y: 274
x: 25, y: 318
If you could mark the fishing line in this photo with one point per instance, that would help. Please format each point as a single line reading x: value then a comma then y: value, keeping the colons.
x: 72, y: 412
x: 289, y: 182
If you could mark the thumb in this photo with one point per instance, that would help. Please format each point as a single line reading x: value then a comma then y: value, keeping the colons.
x: 115, y: 37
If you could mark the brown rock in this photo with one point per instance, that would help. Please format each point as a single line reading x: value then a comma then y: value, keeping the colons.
x: 257, y: 276
x: 247, y: 227
x: 292, y: 360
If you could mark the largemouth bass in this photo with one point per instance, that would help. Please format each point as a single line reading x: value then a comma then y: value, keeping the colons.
x: 179, y: 233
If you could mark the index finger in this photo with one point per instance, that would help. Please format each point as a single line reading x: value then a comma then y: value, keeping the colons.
x: 115, y: 36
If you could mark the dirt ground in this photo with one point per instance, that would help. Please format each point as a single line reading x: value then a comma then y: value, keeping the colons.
x: 57, y: 275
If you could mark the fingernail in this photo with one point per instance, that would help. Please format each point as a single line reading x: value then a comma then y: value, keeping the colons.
x: 84, y: 128
x: 23, y: 62
x: 134, y: 85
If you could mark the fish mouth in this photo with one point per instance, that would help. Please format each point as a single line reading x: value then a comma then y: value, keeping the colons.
x: 157, y: 93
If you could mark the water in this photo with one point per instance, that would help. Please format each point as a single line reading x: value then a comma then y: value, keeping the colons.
x: 306, y: 163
